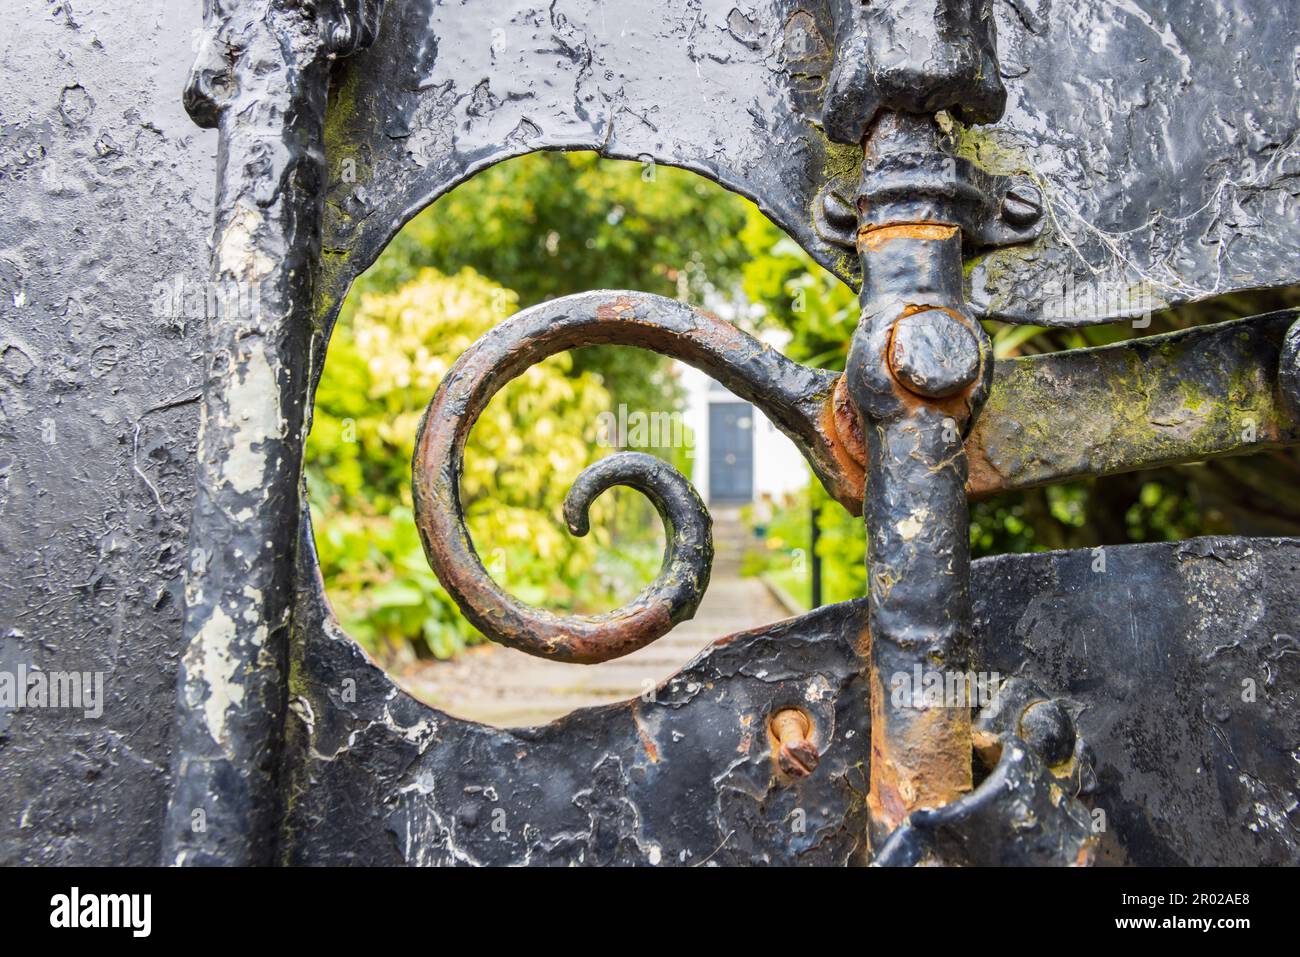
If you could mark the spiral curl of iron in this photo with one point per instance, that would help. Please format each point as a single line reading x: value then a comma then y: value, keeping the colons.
x: 796, y: 399
x: 476, y: 377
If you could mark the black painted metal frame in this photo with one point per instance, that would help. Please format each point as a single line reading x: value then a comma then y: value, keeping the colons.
x: 852, y: 142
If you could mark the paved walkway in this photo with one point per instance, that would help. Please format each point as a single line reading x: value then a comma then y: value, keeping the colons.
x: 508, y: 688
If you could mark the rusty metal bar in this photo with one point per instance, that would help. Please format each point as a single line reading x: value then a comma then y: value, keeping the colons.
x: 918, y: 370
x: 1185, y: 396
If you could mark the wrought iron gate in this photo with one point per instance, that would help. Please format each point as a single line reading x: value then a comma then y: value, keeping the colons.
x: 954, y: 160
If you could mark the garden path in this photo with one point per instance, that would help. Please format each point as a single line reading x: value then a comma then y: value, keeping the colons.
x: 508, y: 688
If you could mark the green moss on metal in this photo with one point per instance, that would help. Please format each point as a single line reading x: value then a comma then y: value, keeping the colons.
x: 991, y: 152
x: 1112, y: 409
x: 340, y: 146
x: 843, y: 160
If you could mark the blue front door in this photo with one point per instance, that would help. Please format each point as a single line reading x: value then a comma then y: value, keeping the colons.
x: 731, y: 452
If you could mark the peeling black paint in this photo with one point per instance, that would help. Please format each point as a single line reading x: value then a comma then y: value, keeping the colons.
x: 1156, y: 168
x: 261, y: 77
x: 1148, y: 657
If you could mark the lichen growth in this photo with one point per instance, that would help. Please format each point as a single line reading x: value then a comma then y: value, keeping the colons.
x: 842, y: 160
x: 991, y: 150
x: 1138, y: 410
x: 340, y: 146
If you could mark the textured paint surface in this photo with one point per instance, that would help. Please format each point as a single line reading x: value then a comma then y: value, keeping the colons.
x: 1165, y: 179
x: 689, y: 778
x: 106, y: 187
x: 1179, y: 662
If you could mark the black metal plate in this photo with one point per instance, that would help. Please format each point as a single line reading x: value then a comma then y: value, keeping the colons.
x: 1167, y: 139
x: 1150, y: 654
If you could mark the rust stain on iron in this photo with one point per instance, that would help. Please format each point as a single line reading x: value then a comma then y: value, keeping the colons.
x: 846, y: 426
x: 871, y: 238
x: 923, y: 761
x: 624, y: 307
x: 983, y: 477
x: 790, y: 733
x: 647, y: 742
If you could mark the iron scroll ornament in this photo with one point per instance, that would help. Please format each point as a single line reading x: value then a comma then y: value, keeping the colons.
x: 290, y: 216
x: 796, y: 398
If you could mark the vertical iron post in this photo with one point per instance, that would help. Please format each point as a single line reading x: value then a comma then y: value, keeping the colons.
x: 918, y: 371
x: 814, y: 560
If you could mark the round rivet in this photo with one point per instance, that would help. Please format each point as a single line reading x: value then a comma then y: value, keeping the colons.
x: 933, y: 354
x: 1048, y: 730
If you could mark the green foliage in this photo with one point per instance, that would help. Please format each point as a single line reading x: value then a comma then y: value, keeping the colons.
x: 797, y: 295
x: 785, y: 558
x: 551, y: 224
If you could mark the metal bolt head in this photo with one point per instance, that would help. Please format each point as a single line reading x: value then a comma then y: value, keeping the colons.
x: 934, y: 355
x: 796, y: 755
x: 1023, y: 204
x: 1047, y: 729
x: 840, y: 212
x: 799, y: 759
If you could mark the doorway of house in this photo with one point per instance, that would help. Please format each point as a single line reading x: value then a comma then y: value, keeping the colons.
x: 731, y: 452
